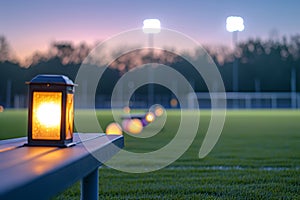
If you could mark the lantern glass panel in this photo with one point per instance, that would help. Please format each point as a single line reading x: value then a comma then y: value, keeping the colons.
x: 69, y: 116
x: 46, y: 115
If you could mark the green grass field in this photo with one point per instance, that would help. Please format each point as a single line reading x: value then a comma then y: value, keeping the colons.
x: 256, y: 157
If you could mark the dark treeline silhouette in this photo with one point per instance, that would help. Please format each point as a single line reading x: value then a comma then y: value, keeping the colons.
x: 264, y: 66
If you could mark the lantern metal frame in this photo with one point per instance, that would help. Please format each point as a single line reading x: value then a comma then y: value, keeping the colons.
x: 51, y: 83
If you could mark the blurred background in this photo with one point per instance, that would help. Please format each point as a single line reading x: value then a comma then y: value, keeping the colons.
x: 260, y: 64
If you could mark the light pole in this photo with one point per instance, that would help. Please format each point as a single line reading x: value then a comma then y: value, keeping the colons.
x: 235, y: 24
x: 151, y: 27
x: 293, y: 88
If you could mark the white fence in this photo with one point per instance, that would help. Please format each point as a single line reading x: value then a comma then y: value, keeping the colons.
x: 239, y: 100
x: 245, y: 100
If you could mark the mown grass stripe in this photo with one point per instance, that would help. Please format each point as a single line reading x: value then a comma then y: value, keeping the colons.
x: 226, y: 168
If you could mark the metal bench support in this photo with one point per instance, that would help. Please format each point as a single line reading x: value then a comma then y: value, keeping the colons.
x: 90, y: 186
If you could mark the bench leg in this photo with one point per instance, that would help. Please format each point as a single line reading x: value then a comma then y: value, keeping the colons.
x: 89, y: 186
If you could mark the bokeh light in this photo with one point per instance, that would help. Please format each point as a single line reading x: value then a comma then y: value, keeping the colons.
x: 159, y: 111
x: 113, y: 129
x: 133, y: 126
x: 124, y: 124
x: 150, y: 117
x: 173, y: 103
x: 126, y: 109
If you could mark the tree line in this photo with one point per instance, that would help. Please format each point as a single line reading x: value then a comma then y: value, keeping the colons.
x: 263, y: 66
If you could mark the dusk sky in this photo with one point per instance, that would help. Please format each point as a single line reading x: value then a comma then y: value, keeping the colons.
x: 32, y: 25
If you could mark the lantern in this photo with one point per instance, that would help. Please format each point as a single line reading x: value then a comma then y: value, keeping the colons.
x: 50, y: 111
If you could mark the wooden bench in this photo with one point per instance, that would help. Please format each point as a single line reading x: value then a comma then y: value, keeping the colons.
x: 43, y: 172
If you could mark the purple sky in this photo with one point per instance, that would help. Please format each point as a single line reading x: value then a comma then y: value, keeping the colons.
x: 32, y: 25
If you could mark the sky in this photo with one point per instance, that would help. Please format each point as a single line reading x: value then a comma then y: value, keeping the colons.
x: 32, y: 25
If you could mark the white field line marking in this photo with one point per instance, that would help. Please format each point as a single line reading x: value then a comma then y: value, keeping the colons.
x: 227, y: 168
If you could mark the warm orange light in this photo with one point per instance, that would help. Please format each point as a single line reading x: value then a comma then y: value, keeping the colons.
x: 1, y: 108
x: 159, y: 111
x: 113, y: 129
x: 174, y: 102
x: 149, y: 117
x: 126, y: 109
x: 46, y: 115
x: 69, y: 116
x: 133, y: 126
x: 51, y: 111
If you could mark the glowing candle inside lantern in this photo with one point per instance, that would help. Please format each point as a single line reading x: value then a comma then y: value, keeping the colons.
x: 46, y: 115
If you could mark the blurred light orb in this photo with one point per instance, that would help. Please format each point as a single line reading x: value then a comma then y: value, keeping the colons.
x: 133, y: 126
x: 1, y: 108
x: 150, y: 117
x: 126, y: 109
x: 173, y: 102
x: 125, y: 124
x: 234, y: 23
x: 159, y: 111
x: 113, y: 129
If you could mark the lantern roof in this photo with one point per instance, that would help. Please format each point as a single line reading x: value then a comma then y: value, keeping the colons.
x: 51, y: 79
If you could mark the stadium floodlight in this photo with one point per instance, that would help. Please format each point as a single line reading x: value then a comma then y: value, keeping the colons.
x: 151, y: 26
x: 235, y: 23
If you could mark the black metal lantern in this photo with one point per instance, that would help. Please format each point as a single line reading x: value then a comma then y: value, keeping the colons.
x: 50, y: 111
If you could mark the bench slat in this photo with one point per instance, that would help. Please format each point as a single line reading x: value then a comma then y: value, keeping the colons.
x: 11, y: 144
x: 25, y: 154
x: 26, y: 172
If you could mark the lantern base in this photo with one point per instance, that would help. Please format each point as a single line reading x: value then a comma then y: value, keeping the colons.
x: 50, y: 145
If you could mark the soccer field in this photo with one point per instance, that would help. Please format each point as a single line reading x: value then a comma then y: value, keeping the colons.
x: 256, y: 157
